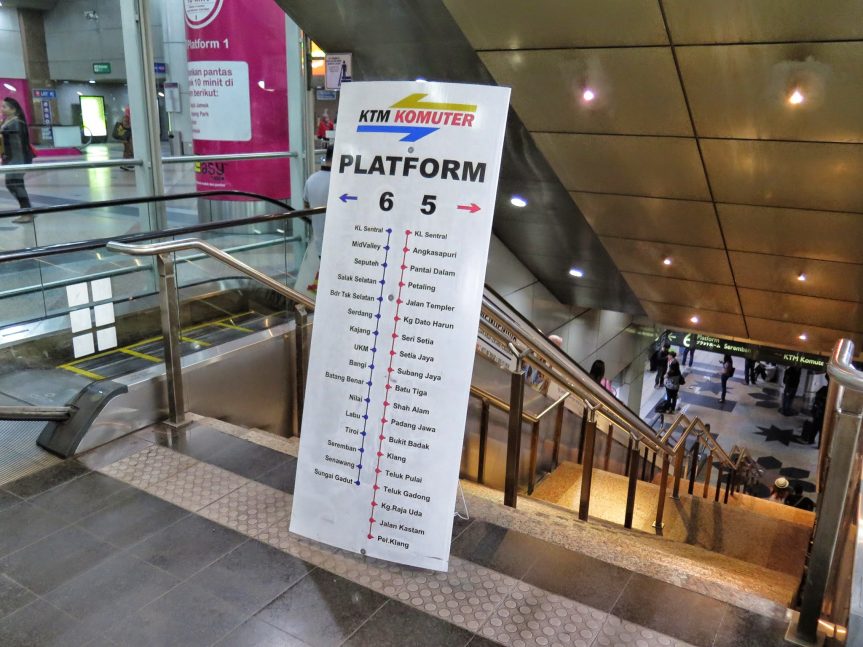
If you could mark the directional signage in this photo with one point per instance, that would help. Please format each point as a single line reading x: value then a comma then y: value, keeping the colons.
x: 409, y: 216
x: 337, y: 70
x: 743, y: 349
x: 101, y: 68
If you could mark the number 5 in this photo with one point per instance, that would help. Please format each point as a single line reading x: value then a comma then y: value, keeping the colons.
x: 429, y: 205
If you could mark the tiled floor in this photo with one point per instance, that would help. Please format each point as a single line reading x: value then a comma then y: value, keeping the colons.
x: 163, y: 547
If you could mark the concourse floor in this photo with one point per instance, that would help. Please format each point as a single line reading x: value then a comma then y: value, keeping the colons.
x: 157, y: 540
x: 749, y: 418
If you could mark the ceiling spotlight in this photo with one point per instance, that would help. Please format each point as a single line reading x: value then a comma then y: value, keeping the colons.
x: 802, y: 337
x: 796, y: 97
x: 588, y: 95
x: 694, y: 319
x: 801, y: 276
x: 577, y: 273
x: 666, y: 260
x: 518, y: 201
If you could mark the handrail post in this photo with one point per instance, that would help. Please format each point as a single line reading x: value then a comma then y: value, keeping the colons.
x: 301, y: 320
x: 707, y: 474
x: 608, y: 440
x: 729, y: 480
x: 678, y: 473
x: 631, y: 489
x: 718, y: 484
x: 839, y: 463
x: 587, y: 466
x: 169, y: 308
x: 558, y: 430
x: 534, y: 449
x: 483, y: 439
x: 693, y: 465
x: 663, y: 486
x: 584, y: 410
x: 644, y: 466
x: 513, y: 441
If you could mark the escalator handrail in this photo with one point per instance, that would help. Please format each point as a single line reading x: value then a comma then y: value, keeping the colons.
x: 168, y: 247
x: 123, y: 202
x: 573, y: 376
x: 34, y: 253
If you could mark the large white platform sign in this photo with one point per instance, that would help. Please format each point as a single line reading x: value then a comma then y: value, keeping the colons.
x: 409, y: 217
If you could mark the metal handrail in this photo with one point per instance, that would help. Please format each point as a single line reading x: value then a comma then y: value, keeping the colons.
x: 561, y: 372
x: 184, y: 159
x: 155, y: 249
x: 841, y: 369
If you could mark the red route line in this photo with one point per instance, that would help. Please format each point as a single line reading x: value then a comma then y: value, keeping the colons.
x: 384, y: 420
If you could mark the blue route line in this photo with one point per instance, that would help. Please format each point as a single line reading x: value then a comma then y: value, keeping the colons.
x: 374, y: 351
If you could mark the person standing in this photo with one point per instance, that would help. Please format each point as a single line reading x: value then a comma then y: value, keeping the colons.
x: 662, y: 364
x: 325, y: 125
x: 673, y: 378
x: 315, y: 194
x: 123, y: 133
x: 791, y: 380
x: 749, y: 371
x: 597, y: 372
x: 687, y: 353
x: 15, y: 138
x: 725, y: 375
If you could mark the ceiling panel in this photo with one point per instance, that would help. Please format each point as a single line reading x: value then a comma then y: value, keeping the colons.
x: 647, y: 166
x: 785, y: 174
x: 711, y: 323
x: 825, y: 235
x: 694, y: 294
x: 637, y: 90
x: 819, y: 340
x: 673, y: 221
x: 824, y: 313
x: 515, y: 24
x: 742, y: 91
x: 739, y: 21
x: 827, y: 279
x: 693, y: 263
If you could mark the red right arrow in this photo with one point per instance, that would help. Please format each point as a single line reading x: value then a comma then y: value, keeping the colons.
x: 472, y: 207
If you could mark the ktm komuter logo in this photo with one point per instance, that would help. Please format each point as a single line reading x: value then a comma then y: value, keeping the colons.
x: 415, y: 118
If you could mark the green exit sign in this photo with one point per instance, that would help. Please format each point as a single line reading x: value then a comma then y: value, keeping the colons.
x: 101, y: 68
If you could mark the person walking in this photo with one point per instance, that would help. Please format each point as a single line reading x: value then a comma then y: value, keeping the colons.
x: 687, y: 353
x: 597, y: 372
x: 315, y: 194
x: 791, y: 380
x: 749, y: 371
x: 662, y: 364
x: 725, y: 375
x: 16, y: 149
x: 673, y: 380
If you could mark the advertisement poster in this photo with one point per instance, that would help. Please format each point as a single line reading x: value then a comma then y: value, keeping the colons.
x: 237, y: 68
x: 409, y: 218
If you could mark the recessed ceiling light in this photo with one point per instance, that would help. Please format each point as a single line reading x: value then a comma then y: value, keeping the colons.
x: 802, y: 337
x: 694, y: 319
x: 801, y: 276
x: 577, y: 273
x: 666, y: 260
x: 796, y: 97
x: 518, y: 201
x: 420, y: 79
x: 91, y: 81
x: 588, y: 95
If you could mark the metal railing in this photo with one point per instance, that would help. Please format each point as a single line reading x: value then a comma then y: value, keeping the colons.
x: 528, y: 346
x: 831, y: 592
x: 170, y: 308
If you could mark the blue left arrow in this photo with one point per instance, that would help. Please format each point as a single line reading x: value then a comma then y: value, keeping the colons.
x: 344, y: 197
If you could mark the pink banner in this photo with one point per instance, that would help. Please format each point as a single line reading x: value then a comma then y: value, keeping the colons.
x: 19, y: 90
x: 238, y: 92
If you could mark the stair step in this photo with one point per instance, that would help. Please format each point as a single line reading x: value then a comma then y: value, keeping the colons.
x: 742, y: 532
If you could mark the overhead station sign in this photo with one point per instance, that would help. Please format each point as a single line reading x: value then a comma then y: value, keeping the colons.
x: 743, y: 349
x: 409, y: 217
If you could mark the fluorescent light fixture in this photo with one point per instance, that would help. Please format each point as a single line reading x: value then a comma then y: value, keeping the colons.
x: 801, y: 277
x: 803, y: 337
x: 10, y: 87
x: 518, y: 201
x: 588, y: 95
x: 796, y: 97
x: 80, y: 94
x: 161, y: 94
x: 694, y: 319
x: 666, y: 260
x: 91, y: 81
x: 577, y: 273
x: 420, y: 79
